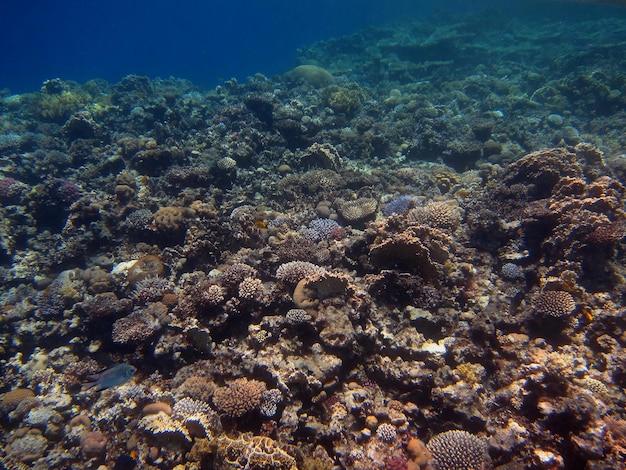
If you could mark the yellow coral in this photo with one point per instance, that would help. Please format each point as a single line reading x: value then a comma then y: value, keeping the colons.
x: 311, y: 74
x: 161, y: 423
x: 258, y: 452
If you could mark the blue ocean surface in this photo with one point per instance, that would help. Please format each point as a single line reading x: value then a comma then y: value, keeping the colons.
x: 205, y: 42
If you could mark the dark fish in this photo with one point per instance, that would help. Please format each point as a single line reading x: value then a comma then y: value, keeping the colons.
x: 125, y: 462
x: 112, y: 377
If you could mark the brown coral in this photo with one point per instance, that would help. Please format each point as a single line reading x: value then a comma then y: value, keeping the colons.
x: 172, y: 221
x: 12, y: 399
x: 358, y: 210
x: 420, y: 248
x: 147, y: 266
x: 238, y: 398
x: 310, y: 290
x: 555, y: 303
x: 322, y: 156
x: 459, y: 450
x: 543, y: 169
x: 93, y: 443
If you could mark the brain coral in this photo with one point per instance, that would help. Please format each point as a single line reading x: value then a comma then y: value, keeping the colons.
x: 459, y: 450
x: 12, y: 399
x: 253, y: 452
x: 239, y: 398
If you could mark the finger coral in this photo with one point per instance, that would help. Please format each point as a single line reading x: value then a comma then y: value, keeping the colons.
x: 293, y: 272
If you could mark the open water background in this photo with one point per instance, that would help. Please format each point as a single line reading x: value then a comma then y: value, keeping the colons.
x: 203, y: 41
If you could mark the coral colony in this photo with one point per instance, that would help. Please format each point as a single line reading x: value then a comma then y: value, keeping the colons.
x: 408, y: 257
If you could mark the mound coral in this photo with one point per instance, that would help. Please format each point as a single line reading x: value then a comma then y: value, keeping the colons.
x: 93, y: 443
x: 310, y: 290
x: 311, y: 74
x: 321, y: 156
x: 555, y: 303
x: 27, y: 445
x: 239, y: 398
x: 172, y: 221
x: 419, y: 248
x: 459, y: 450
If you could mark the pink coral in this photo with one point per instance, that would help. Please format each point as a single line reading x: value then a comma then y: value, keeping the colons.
x: 93, y: 443
x: 10, y: 188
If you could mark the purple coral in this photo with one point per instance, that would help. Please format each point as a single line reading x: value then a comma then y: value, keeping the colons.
x: 294, y: 271
x: 152, y: 289
x: 10, y: 188
x: 400, y: 205
x: 320, y: 229
x: 50, y: 301
x: 512, y: 271
x: 134, y: 328
x: 68, y: 191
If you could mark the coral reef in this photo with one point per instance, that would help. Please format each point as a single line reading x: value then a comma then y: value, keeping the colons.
x: 419, y: 239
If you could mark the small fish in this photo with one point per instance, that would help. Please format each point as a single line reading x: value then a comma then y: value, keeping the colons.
x: 112, y: 377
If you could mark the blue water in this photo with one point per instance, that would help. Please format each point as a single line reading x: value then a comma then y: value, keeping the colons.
x: 203, y: 41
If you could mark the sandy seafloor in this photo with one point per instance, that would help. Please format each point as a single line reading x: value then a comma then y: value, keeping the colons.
x: 419, y: 231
